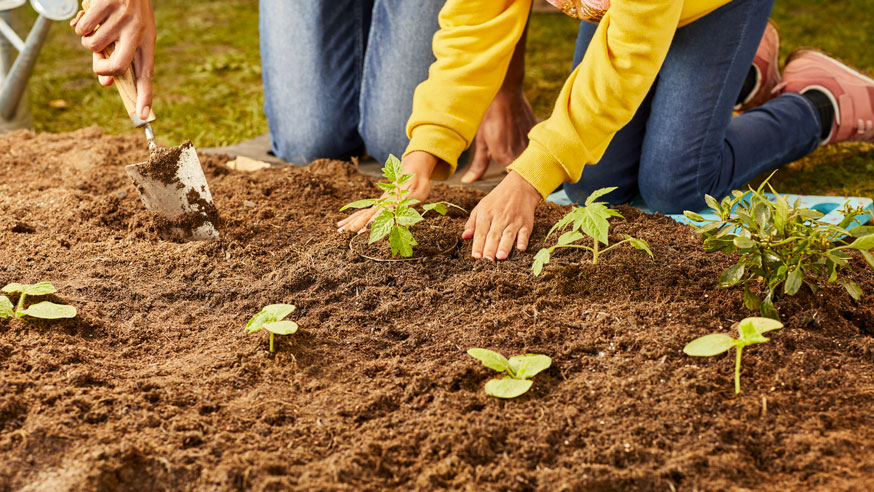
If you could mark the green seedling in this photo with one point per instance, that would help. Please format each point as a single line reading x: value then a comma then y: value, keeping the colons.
x: 42, y: 310
x: 271, y: 319
x: 782, y: 247
x: 751, y: 331
x: 520, y: 369
x: 396, y: 212
x: 591, y: 220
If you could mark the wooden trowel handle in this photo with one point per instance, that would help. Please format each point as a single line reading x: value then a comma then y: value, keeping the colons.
x: 126, y: 84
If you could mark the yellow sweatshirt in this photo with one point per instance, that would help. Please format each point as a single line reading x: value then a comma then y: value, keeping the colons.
x: 473, y: 49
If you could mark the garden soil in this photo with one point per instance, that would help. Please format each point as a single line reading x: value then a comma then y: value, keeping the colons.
x: 156, y: 386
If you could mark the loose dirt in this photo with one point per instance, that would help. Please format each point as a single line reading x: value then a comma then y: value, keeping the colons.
x: 156, y: 385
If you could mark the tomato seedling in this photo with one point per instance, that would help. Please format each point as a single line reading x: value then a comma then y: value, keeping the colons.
x: 42, y: 310
x: 520, y: 369
x: 396, y: 213
x: 782, y: 247
x: 591, y: 220
x: 271, y: 319
x: 750, y: 331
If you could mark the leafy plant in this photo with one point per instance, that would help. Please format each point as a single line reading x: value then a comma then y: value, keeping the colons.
x: 42, y: 310
x: 781, y: 246
x: 751, y: 331
x: 271, y: 319
x: 591, y: 220
x: 397, y: 214
x: 520, y: 369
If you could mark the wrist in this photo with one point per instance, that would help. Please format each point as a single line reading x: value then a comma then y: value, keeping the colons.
x: 420, y: 163
x: 523, y: 186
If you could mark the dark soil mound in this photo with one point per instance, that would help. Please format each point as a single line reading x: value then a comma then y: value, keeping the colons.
x: 156, y: 386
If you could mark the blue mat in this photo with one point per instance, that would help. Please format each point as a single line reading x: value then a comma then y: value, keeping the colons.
x: 829, y: 205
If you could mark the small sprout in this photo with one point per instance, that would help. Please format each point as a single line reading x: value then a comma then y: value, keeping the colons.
x: 520, y: 369
x: 782, y: 247
x: 42, y: 310
x: 271, y: 319
x: 397, y: 214
x: 751, y: 331
x: 592, y: 220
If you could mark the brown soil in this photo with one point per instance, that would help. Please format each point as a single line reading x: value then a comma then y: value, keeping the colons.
x: 156, y: 385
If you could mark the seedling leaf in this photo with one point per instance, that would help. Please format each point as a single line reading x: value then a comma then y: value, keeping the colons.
x: 540, y: 259
x: 794, y: 281
x: 868, y: 258
x: 569, y: 237
x: 732, y: 275
x: 598, y: 194
x: 693, y: 216
x: 861, y: 231
x: 529, y: 365
x: 401, y: 241
x: 863, y: 243
x: 381, y: 226
x: 281, y: 327
x: 439, y: 207
x: 852, y: 288
x: 763, y: 325
x: 508, y: 387
x: 7, y: 310
x: 709, y: 345
x: 360, y: 204
x: 490, y: 359
x: 407, y: 216
x: 270, y: 314
x: 48, y: 310
x: 13, y: 288
x: 751, y: 301
x: 639, y: 244
x: 392, y: 170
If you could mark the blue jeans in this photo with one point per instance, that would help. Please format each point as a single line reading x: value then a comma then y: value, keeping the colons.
x: 683, y: 142
x: 339, y: 75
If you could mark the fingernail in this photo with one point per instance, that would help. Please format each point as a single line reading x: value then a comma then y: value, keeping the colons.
x: 467, y: 178
x: 502, y: 255
x: 477, y: 255
x: 146, y: 111
x: 341, y: 229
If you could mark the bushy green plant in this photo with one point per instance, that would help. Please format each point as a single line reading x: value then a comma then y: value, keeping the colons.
x: 592, y: 221
x: 782, y: 247
x: 42, y: 310
x: 396, y: 213
x: 271, y: 318
x: 750, y: 331
x: 520, y: 369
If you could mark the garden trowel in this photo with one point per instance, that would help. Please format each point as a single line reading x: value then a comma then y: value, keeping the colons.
x: 171, y: 183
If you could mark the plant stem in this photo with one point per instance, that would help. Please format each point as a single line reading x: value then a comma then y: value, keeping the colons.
x: 271, y: 342
x: 20, y: 307
x: 737, y: 370
x: 595, y: 253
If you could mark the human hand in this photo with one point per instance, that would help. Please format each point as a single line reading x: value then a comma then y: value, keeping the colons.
x: 503, y: 133
x: 128, y: 26
x: 504, y: 216
x: 418, y: 163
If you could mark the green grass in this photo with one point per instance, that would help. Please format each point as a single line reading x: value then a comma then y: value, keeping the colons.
x: 208, y: 82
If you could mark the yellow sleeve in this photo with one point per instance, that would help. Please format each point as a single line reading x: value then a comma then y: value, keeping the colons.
x: 473, y: 49
x: 602, y: 94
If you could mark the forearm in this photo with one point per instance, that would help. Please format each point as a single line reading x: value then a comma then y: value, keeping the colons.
x: 602, y: 94
x: 474, y: 48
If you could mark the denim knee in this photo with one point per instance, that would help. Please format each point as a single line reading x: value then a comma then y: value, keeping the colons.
x: 670, y: 193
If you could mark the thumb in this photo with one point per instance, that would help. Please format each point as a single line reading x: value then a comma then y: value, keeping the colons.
x: 479, y: 164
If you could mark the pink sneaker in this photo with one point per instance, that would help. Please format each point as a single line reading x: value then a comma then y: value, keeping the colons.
x: 851, y: 92
x: 767, y: 67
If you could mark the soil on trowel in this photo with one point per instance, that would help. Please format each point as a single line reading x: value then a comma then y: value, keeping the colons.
x: 157, y: 386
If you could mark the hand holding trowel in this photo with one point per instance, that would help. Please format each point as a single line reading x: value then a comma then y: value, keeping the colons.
x: 171, y: 183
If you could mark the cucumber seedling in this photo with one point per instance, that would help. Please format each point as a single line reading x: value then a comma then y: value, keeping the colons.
x: 520, y: 369
x: 750, y: 331
x: 271, y: 319
x: 782, y: 247
x: 396, y: 212
x: 591, y: 220
x: 42, y: 310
